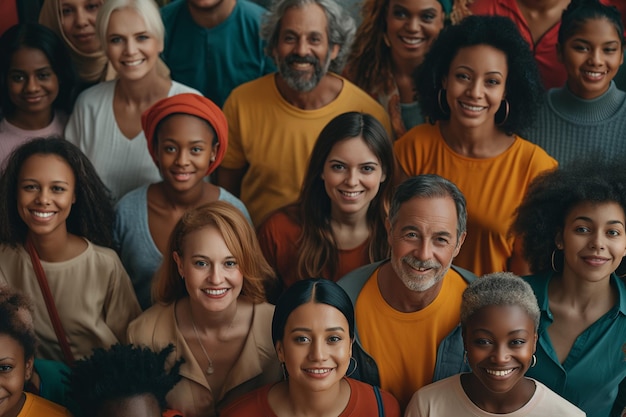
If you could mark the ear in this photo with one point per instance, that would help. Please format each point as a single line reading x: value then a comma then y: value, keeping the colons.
x: 28, y: 369
x: 558, y: 240
x: 335, y: 51
x: 280, y: 352
x: 179, y: 263
x: 459, y: 243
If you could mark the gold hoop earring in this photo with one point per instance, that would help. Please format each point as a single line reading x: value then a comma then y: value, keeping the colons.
x: 356, y: 365
x: 504, y: 103
x: 440, y: 102
x: 552, y: 262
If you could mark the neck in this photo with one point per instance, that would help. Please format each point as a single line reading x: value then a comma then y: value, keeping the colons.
x: 399, y: 297
x: 403, y: 67
x: 184, y: 200
x: 344, y: 220
x: 50, y: 248
x: 144, y: 91
x: 31, y: 121
x: 211, y: 16
x: 483, y: 141
x: 581, y: 295
x: 538, y: 5
x: 215, y: 320
x: 324, y: 92
x: 304, y: 402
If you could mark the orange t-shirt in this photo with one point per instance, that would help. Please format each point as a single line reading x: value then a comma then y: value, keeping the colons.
x: 404, y: 345
x: 493, y: 187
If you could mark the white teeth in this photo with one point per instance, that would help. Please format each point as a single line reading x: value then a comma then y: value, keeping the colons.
x: 215, y: 292
x: 498, y: 373
x: 412, y: 41
x: 593, y: 74
x: 472, y: 108
x: 318, y: 371
x: 133, y: 63
x: 43, y: 215
x: 351, y: 194
x: 302, y: 65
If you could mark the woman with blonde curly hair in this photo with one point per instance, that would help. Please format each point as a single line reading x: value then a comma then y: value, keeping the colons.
x: 389, y: 46
x: 211, y: 304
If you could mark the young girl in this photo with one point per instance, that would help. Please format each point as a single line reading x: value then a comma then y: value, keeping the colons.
x: 211, y: 303
x: 499, y: 320
x: 187, y: 138
x: 338, y: 222
x: 55, y: 226
x: 37, y: 83
x: 313, y: 331
x: 588, y: 113
x: 573, y: 226
x: 17, y: 352
x: 125, y: 381
x: 106, y: 122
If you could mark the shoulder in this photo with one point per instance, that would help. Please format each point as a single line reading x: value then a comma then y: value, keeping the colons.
x: 178, y: 88
x: 353, y: 282
x: 130, y: 200
x: 250, y: 9
x: 263, y: 314
x: 94, y: 94
x: 535, y: 154
x: 421, y: 134
x: 250, y: 404
x: 170, y: 11
x: 143, y: 327
x: 104, y: 254
x: 280, y: 219
x: 38, y: 406
x: 362, y: 389
x: 251, y: 88
x: 552, y: 403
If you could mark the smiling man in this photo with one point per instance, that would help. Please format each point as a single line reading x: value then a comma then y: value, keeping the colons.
x: 405, y: 306
x: 275, y: 120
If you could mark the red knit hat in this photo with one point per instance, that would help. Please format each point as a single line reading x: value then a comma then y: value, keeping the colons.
x: 187, y: 103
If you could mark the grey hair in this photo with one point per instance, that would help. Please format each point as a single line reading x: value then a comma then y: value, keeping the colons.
x: 499, y: 288
x: 341, y: 27
x: 430, y: 186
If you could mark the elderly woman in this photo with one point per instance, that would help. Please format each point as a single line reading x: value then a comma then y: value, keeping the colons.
x: 478, y: 86
x: 106, y: 122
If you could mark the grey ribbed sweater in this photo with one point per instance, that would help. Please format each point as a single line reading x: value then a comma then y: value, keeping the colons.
x: 568, y: 126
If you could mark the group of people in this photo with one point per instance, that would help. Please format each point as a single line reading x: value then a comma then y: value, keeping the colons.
x: 283, y: 214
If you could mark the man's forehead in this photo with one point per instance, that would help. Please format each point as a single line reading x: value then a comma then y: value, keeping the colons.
x: 428, y: 209
x: 309, y: 18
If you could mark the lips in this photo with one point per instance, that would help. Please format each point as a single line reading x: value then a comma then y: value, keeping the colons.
x: 182, y: 176
x: 217, y: 292
x: 594, y: 75
x: 499, y: 373
x: 351, y: 194
x: 471, y: 107
x: 318, y: 372
x: 42, y: 214
x: 412, y: 42
x: 133, y: 63
x: 596, y: 260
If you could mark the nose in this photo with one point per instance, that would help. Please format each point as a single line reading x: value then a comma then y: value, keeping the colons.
x: 32, y: 84
x: 413, y: 24
x: 352, y: 178
x: 597, y: 241
x: 423, y: 250
x: 475, y: 89
x: 82, y: 19
x: 214, y: 274
x: 595, y: 57
x: 302, y: 47
x: 131, y: 46
x: 501, y: 354
x: 43, y: 197
x: 182, y: 159
x: 317, y: 350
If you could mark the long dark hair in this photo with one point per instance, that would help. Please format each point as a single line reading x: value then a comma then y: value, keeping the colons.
x: 317, y: 248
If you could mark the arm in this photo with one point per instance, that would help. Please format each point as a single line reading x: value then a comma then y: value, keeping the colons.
x: 230, y: 179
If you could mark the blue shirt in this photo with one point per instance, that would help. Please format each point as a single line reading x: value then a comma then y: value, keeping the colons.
x: 215, y: 60
x: 590, y: 375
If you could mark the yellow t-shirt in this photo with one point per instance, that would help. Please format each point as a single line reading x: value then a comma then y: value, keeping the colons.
x: 404, y: 345
x: 275, y: 139
x: 39, y: 407
x: 493, y: 187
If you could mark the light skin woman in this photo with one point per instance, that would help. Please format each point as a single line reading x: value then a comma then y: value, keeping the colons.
x: 576, y: 248
x: 313, y: 331
x: 337, y: 224
x: 211, y: 294
x: 499, y: 321
x: 479, y: 86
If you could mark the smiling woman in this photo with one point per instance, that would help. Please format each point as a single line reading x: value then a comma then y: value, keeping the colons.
x: 313, y: 331
x: 499, y: 318
x: 106, y: 122
x: 55, y: 226
x: 211, y: 303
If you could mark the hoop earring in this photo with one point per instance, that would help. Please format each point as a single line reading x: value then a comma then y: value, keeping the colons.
x: 386, y: 40
x: 552, y: 261
x: 465, y: 357
x: 283, y: 368
x: 532, y: 365
x: 506, y: 113
x: 440, y: 102
x: 356, y: 365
